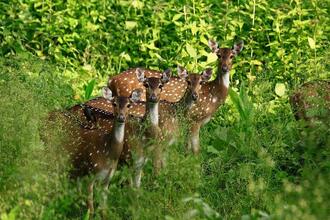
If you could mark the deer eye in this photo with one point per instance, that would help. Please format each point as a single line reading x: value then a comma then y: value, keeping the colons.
x: 231, y: 56
x: 114, y: 104
x: 146, y: 85
x: 161, y: 86
x: 129, y: 105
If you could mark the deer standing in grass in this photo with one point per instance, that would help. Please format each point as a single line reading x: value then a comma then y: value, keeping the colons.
x: 96, y: 118
x: 212, y: 94
x: 311, y: 101
x: 98, y: 149
x: 145, y: 133
x: 163, y: 117
x: 157, y: 115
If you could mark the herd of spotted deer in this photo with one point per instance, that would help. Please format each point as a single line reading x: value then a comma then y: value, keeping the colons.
x: 143, y: 109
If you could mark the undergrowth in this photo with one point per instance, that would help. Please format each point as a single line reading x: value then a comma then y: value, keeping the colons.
x: 256, y: 161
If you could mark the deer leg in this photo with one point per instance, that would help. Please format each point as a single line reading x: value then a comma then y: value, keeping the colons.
x: 138, y: 167
x: 193, y: 142
x: 106, y: 182
x: 90, y: 202
x: 158, y: 161
x: 109, y: 175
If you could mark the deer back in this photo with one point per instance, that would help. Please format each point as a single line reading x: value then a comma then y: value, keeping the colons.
x: 311, y: 100
x: 126, y: 81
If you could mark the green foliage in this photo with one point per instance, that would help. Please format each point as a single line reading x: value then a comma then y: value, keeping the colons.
x: 256, y: 161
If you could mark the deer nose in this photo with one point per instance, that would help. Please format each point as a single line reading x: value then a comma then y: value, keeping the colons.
x: 153, y: 98
x: 121, y: 118
x: 225, y: 68
x: 194, y: 96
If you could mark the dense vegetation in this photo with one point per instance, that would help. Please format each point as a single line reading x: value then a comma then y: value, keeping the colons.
x: 256, y: 160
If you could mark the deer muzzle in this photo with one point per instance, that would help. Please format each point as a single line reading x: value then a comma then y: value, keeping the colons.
x: 194, y: 96
x: 153, y: 98
x: 121, y: 118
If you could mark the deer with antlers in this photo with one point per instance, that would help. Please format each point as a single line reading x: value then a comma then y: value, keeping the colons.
x: 212, y: 94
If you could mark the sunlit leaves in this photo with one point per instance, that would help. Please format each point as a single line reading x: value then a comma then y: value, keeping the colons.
x: 280, y: 89
x: 89, y: 89
x: 311, y: 42
x: 191, y: 51
x: 130, y: 24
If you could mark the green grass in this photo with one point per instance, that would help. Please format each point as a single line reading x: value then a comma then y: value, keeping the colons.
x: 256, y: 162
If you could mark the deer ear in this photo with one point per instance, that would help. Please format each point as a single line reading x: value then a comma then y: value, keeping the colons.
x: 206, y: 75
x: 166, y: 76
x: 106, y: 93
x: 140, y: 75
x: 213, y: 46
x: 136, y: 95
x: 182, y: 72
x: 238, y: 47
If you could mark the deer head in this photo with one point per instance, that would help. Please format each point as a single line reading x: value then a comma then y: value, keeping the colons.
x: 194, y: 82
x: 153, y: 85
x: 121, y: 104
x: 225, y: 55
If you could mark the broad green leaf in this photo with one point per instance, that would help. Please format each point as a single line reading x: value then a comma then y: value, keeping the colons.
x: 92, y: 27
x: 311, y: 42
x: 211, y: 149
x: 193, y: 28
x: 204, y: 41
x: 137, y: 4
x: 152, y: 46
x: 280, y: 89
x: 130, y: 24
x: 89, y: 89
x: 126, y: 56
x: 211, y: 58
x: 176, y: 17
x: 191, y: 51
x: 256, y: 62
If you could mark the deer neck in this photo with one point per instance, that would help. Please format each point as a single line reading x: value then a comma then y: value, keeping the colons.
x: 220, y: 85
x: 185, y: 102
x: 118, y: 133
x: 152, y: 113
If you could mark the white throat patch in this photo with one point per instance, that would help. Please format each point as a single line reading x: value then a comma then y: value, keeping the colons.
x: 225, y: 80
x: 154, y: 114
x: 119, y: 132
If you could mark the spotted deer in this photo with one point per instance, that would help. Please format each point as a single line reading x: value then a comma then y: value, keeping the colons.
x: 212, y: 94
x: 144, y: 133
x: 154, y: 114
x: 311, y: 101
x: 167, y: 121
x: 97, y: 149
x: 173, y: 114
